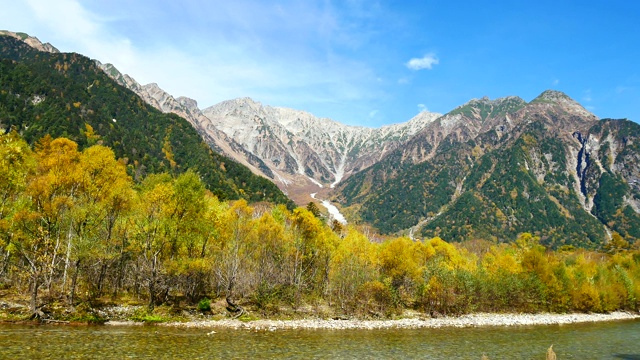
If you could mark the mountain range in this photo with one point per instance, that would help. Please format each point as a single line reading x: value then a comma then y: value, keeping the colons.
x: 488, y: 169
x: 44, y: 92
x: 492, y: 169
x: 298, y: 151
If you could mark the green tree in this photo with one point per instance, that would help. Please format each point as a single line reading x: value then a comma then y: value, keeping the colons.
x: 313, y: 208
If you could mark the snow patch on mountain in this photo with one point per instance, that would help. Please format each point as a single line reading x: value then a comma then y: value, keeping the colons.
x: 334, y: 212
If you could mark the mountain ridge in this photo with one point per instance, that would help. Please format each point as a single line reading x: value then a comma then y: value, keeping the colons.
x: 488, y: 169
x: 541, y: 167
x: 277, y: 142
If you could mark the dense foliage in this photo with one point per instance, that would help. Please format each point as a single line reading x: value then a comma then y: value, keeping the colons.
x: 506, y: 198
x: 75, y: 228
x: 68, y: 95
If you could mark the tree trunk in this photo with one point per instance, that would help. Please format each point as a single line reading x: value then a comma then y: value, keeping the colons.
x: 67, y: 259
x: 5, y: 263
x: 35, y: 284
x: 152, y: 285
x: 74, y: 281
x: 120, y: 274
x: 103, y: 272
x: 232, y: 307
x: 49, y: 279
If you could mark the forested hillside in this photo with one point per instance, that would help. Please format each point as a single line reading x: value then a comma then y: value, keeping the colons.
x: 493, y: 169
x: 66, y: 94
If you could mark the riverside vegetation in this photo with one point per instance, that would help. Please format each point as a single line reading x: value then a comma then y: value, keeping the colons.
x: 77, y: 234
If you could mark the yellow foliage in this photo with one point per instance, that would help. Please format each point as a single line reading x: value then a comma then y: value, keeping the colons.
x: 91, y: 135
x: 528, y: 139
x: 167, y: 150
x: 586, y: 298
x: 500, y: 259
x: 513, y: 194
x: 447, y: 252
x: 398, y: 261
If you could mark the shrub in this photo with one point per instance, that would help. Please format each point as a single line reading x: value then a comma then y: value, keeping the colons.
x: 204, y: 305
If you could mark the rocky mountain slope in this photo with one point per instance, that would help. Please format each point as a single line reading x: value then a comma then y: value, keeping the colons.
x: 492, y: 169
x: 188, y: 109
x: 33, y: 42
x: 293, y: 142
x: 298, y: 151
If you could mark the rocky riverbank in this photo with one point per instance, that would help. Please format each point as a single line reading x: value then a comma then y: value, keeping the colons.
x: 471, y: 320
x: 137, y: 315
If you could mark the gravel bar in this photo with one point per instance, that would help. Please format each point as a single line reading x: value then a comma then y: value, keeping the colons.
x: 471, y: 320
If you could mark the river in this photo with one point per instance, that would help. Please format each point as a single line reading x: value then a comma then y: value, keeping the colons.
x: 608, y: 340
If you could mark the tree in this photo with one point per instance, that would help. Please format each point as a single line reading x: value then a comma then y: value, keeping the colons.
x: 313, y: 208
x: 399, y: 267
x: 16, y: 163
x: 311, y: 253
x: 44, y: 220
x: 273, y: 246
x: 189, y: 230
x: 617, y: 244
x: 150, y: 239
x: 234, y: 251
x: 105, y: 194
x: 353, y: 264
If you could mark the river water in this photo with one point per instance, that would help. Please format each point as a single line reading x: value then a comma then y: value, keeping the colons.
x: 611, y: 340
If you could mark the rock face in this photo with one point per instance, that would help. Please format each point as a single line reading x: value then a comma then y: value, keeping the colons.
x: 188, y: 109
x: 293, y: 142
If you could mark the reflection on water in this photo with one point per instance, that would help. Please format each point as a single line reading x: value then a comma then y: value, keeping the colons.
x: 615, y: 340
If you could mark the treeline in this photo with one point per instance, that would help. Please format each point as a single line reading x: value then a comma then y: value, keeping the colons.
x: 75, y: 228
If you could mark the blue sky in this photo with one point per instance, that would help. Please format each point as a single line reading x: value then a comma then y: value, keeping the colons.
x: 366, y: 63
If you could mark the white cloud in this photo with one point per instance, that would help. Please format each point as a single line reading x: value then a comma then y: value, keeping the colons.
x: 373, y: 113
x: 425, y: 62
x: 69, y: 26
x: 67, y: 17
x: 587, y: 96
x: 422, y: 108
x: 555, y: 82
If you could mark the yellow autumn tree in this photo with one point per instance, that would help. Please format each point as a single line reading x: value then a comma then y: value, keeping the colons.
x: 45, y: 227
x: 400, y: 268
x: 17, y: 162
x: 353, y: 265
